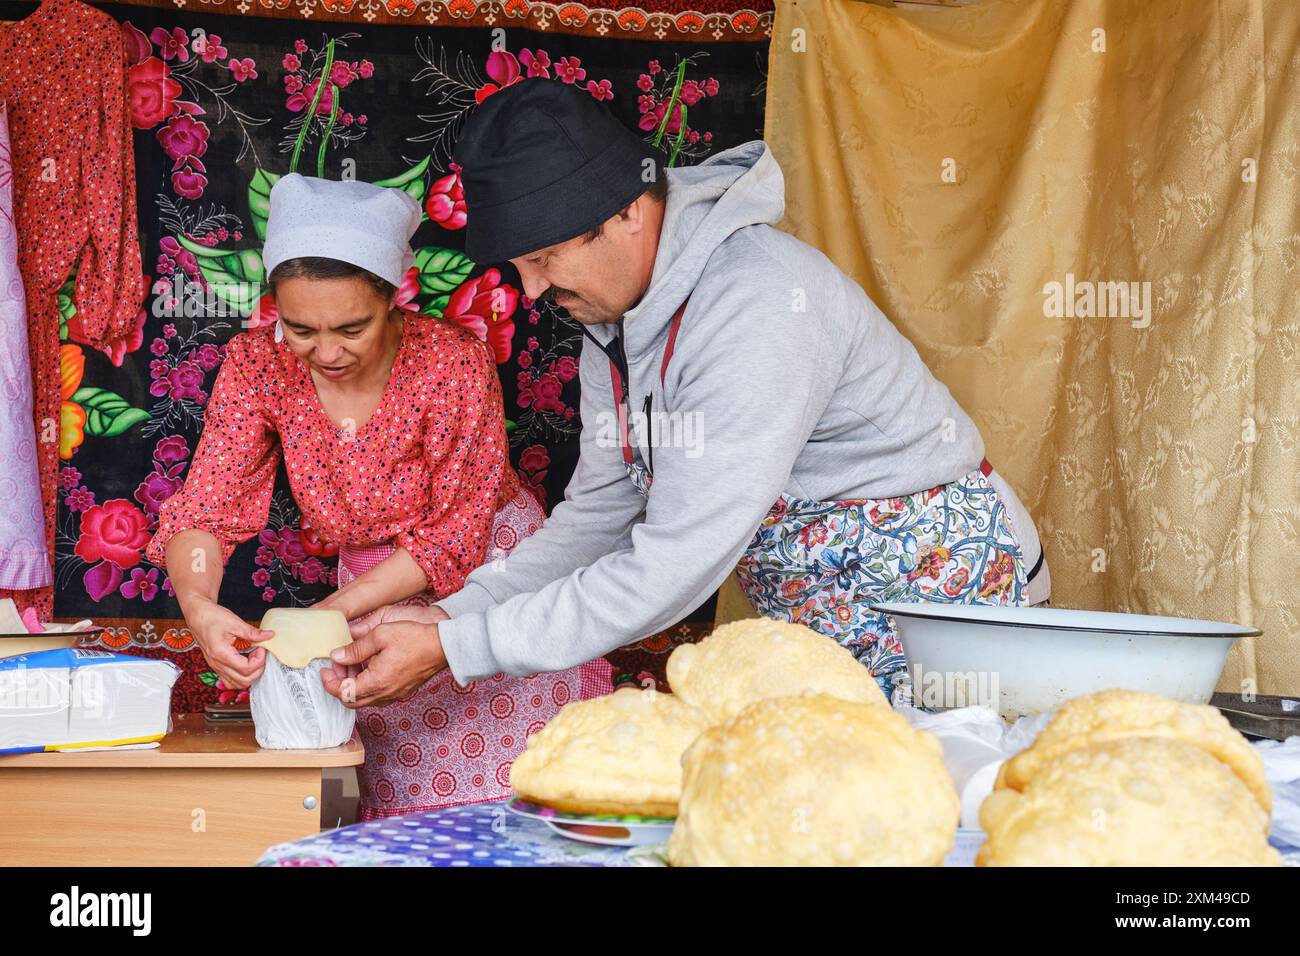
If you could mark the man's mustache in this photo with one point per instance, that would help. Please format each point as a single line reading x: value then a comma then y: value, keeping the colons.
x: 548, y: 297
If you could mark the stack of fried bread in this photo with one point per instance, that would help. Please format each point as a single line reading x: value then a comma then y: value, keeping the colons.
x: 617, y: 754
x: 791, y: 753
x: 814, y: 781
x: 1124, y: 778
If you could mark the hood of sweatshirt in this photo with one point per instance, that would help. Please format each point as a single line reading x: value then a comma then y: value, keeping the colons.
x: 739, y: 187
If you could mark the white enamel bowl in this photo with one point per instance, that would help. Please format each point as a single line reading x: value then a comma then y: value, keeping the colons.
x: 1034, y: 658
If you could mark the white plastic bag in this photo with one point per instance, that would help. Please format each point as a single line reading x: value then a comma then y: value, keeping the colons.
x: 975, y: 743
x: 293, y: 711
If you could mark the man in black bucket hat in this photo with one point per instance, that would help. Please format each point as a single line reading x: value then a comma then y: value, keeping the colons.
x: 545, y: 163
x: 545, y: 166
x: 745, y: 406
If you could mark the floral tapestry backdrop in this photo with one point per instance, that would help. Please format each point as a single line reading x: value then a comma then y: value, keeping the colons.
x: 219, y: 103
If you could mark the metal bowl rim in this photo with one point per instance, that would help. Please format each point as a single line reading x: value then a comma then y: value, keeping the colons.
x: 885, y: 607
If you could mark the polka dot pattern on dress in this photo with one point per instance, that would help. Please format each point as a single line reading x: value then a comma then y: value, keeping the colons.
x: 428, y: 470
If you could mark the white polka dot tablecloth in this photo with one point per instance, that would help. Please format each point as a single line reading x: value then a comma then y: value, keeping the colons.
x: 482, y: 834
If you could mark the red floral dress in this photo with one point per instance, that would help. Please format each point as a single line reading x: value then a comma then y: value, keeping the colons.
x: 62, y: 74
x: 429, y: 471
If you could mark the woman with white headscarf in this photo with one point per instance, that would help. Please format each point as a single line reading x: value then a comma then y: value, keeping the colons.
x: 392, y: 432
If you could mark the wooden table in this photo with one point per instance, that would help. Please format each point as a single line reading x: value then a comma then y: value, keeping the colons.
x: 207, y: 796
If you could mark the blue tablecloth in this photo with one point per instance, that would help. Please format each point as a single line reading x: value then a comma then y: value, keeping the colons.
x: 482, y: 834
x: 487, y: 834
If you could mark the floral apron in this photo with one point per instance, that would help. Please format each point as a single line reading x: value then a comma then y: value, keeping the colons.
x: 446, y: 744
x: 824, y: 563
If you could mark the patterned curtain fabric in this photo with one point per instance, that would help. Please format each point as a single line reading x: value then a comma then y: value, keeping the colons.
x: 218, y: 98
x: 991, y: 175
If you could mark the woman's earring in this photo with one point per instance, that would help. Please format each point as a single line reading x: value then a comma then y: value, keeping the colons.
x: 279, y: 331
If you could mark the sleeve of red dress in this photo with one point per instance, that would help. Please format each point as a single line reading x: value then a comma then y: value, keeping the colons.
x: 228, y: 488
x: 110, y: 286
x: 467, y: 466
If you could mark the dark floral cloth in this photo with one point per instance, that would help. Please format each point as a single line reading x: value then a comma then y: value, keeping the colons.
x: 218, y: 104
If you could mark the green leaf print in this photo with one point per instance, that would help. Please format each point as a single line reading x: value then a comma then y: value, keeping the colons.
x: 259, y: 199
x: 107, y: 413
x: 67, y: 308
x: 237, y: 278
x: 441, y: 270
x: 410, y: 182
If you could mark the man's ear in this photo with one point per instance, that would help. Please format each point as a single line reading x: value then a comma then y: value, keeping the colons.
x: 634, y: 215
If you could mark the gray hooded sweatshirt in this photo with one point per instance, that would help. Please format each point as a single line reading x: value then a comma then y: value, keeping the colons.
x: 785, y: 378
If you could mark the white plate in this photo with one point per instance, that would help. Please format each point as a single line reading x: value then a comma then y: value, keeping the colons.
x: 604, y: 829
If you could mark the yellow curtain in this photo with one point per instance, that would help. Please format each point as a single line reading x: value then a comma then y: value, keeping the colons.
x: 958, y: 162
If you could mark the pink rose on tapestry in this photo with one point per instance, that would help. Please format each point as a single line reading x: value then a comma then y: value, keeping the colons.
x: 484, y: 305
x: 115, y: 531
x: 446, y: 200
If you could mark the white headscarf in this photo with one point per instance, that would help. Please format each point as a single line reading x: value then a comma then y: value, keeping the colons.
x: 367, y: 225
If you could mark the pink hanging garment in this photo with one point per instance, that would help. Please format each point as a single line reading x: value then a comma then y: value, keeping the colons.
x: 24, y: 560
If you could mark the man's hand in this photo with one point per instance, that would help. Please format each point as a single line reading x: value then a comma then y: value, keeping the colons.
x: 395, y: 656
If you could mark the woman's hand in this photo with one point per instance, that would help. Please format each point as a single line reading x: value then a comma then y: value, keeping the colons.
x: 216, y: 630
x: 338, y: 601
x: 393, y: 579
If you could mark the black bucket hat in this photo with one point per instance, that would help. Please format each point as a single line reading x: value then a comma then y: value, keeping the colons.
x: 541, y: 162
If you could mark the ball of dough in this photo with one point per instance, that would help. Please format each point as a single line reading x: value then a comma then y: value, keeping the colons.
x: 814, y: 781
x: 1116, y: 714
x: 748, y: 661
x: 1136, y: 801
x: 621, y: 754
x: 303, y: 634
